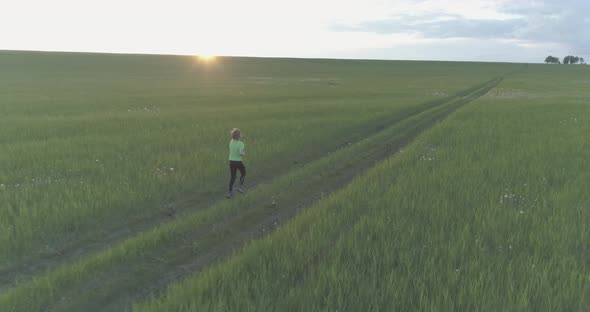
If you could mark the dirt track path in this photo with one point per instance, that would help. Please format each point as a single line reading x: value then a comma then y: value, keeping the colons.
x: 115, y: 286
x: 216, y: 240
x: 112, y: 232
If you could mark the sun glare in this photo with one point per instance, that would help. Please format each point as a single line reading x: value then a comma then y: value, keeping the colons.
x: 206, y: 58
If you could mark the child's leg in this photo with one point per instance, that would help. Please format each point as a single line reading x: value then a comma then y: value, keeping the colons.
x: 242, y: 173
x: 232, y: 171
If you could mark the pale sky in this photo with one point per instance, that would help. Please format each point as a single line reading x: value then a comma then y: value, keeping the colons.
x: 474, y: 30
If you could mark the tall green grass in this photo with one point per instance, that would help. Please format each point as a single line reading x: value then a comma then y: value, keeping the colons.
x: 487, y: 211
x: 208, y: 232
x: 93, y: 141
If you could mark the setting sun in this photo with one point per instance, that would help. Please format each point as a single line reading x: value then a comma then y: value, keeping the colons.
x: 206, y: 58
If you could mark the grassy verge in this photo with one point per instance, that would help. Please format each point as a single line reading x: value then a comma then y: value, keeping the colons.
x: 206, y: 234
x: 484, y: 212
x: 95, y: 143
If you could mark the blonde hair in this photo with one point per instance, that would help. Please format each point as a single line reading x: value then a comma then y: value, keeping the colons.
x: 236, y: 134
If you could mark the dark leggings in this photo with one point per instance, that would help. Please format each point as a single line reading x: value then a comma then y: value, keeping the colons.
x: 233, y: 167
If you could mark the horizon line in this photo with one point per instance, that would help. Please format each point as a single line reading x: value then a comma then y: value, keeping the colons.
x: 268, y: 57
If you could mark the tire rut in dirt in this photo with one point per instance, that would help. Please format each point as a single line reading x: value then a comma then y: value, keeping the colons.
x: 120, y: 230
x: 197, y: 249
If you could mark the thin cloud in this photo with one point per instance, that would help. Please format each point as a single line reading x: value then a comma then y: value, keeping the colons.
x: 531, y: 23
x: 563, y: 21
x: 445, y: 26
x: 489, y: 30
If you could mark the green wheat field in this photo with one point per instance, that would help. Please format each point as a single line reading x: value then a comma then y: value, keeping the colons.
x: 372, y: 185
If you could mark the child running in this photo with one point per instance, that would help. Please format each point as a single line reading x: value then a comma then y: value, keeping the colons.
x: 236, y: 154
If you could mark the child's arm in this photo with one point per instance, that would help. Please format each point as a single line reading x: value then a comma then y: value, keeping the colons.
x: 242, y: 152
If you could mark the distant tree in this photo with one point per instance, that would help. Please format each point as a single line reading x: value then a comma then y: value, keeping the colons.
x: 570, y: 59
x: 552, y: 60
